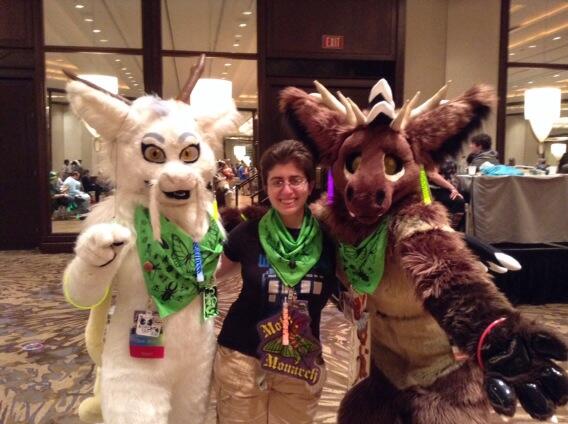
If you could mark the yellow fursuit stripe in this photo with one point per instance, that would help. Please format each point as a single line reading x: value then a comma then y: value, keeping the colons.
x: 424, y: 187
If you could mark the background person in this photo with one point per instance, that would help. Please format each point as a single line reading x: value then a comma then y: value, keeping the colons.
x: 288, y: 268
x: 480, y: 151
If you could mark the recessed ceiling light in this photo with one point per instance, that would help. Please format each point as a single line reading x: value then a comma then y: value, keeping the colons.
x: 532, y: 46
x: 59, y: 60
x: 512, y: 54
x: 236, y: 44
x: 104, y: 40
x: 556, y: 75
x: 130, y: 77
x: 123, y: 69
x: 242, y: 25
x: 79, y: 6
x: 96, y: 31
x: 88, y: 19
x: 557, y: 38
x: 135, y: 84
x: 238, y: 35
x: 530, y: 82
x: 227, y: 65
x: 117, y: 60
x: 247, y: 12
x: 128, y: 73
x: 224, y: 73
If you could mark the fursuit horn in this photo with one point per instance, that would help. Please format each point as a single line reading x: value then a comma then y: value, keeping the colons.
x: 195, y: 74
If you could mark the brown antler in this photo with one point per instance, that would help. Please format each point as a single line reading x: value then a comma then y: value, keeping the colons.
x: 76, y: 77
x: 195, y: 74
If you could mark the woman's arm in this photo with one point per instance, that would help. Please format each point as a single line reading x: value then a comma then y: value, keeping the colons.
x: 440, y: 181
x: 227, y: 268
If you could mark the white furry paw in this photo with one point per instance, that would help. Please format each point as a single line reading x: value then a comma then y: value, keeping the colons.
x: 101, y: 244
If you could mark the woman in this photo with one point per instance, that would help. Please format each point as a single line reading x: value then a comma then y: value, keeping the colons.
x: 269, y: 367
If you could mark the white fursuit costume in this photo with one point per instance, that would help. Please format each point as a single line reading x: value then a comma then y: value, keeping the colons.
x: 146, y: 156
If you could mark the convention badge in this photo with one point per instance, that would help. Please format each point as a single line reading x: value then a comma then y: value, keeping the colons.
x: 147, y: 335
x: 149, y: 324
x: 210, y: 305
x: 301, y: 356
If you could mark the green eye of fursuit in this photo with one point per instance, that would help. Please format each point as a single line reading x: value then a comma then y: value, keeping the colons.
x: 392, y: 165
x: 153, y: 153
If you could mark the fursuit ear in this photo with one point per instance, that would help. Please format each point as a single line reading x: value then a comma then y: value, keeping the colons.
x: 104, y: 113
x: 441, y: 131
x: 216, y: 124
x: 313, y: 123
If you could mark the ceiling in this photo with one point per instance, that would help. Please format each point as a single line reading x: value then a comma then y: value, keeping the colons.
x: 538, y: 33
x: 227, y: 26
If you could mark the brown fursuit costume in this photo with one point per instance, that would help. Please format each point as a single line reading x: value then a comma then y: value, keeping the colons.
x: 434, y: 294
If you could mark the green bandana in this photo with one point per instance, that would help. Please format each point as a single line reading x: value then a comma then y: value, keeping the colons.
x: 364, y: 265
x: 291, y: 259
x: 169, y: 267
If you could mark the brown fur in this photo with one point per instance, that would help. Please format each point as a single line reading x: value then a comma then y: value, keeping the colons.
x: 231, y: 217
x: 430, y: 272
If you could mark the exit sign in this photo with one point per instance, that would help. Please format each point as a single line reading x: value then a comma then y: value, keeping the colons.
x: 332, y: 42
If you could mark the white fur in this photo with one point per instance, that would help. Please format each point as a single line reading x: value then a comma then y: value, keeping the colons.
x: 146, y: 391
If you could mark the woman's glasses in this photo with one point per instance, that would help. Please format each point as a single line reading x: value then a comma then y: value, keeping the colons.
x: 295, y: 182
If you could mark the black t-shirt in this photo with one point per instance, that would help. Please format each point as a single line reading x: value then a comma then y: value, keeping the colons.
x: 263, y: 293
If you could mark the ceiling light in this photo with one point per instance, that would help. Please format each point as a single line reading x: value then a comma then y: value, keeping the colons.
x: 556, y: 75
x: 227, y: 65
x: 96, y: 31
x: 530, y: 82
x: 59, y: 60
x: 117, y: 60
x: 247, y: 12
x: 123, y: 69
x: 242, y: 25
x: 236, y: 44
x: 238, y: 35
x: 130, y: 77
x: 88, y: 19
x: 532, y: 46
x: 104, y: 40
x: 557, y: 38
x: 79, y: 6
x: 224, y: 73
x: 511, y: 54
x: 135, y: 84
x: 128, y: 73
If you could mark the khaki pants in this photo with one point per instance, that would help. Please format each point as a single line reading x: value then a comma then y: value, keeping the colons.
x: 248, y: 394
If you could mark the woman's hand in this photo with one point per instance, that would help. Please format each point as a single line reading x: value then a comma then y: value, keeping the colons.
x: 454, y: 194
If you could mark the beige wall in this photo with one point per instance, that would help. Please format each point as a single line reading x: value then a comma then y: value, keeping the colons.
x: 452, y: 39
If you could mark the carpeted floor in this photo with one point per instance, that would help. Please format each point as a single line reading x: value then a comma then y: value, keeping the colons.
x: 48, y: 385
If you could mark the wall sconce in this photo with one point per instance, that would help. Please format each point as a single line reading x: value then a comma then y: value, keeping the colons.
x: 557, y: 150
x: 542, y: 109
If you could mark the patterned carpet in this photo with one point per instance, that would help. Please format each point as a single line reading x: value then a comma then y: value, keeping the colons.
x: 47, y: 386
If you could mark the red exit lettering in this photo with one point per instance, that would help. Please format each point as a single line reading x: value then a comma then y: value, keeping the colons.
x: 332, y: 42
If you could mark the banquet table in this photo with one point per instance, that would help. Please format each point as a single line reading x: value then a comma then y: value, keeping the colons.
x: 518, y: 209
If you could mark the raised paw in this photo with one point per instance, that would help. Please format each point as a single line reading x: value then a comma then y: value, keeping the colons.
x: 100, y: 244
x: 519, y: 366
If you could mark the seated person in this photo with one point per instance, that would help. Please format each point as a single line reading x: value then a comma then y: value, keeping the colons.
x: 480, y: 151
x: 73, y: 187
x: 58, y: 197
x: 563, y: 164
x: 444, y: 191
x: 90, y: 185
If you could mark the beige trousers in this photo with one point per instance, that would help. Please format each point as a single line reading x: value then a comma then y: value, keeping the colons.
x: 246, y: 393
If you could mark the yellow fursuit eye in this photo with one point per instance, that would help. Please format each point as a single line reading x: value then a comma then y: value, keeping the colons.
x: 153, y: 153
x: 392, y: 165
x: 190, y: 153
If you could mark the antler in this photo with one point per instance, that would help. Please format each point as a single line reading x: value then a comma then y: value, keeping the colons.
x: 195, y: 74
x: 432, y: 103
x: 345, y: 106
x: 76, y: 77
x: 404, y: 114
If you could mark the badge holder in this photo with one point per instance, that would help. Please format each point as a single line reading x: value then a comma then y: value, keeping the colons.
x: 147, y: 334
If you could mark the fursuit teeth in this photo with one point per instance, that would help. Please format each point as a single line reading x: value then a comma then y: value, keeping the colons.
x: 155, y: 211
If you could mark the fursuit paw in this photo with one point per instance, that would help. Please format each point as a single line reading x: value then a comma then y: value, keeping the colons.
x: 101, y: 244
x: 518, y: 361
